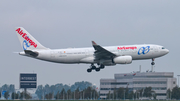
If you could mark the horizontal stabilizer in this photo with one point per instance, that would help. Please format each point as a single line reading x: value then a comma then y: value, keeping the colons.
x: 31, y: 53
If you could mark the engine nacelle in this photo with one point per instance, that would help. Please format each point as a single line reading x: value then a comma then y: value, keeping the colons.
x: 123, y: 60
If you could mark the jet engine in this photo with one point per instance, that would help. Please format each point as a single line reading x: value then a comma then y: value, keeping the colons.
x: 122, y: 60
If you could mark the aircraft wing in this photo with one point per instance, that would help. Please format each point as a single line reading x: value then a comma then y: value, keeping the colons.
x: 102, y: 53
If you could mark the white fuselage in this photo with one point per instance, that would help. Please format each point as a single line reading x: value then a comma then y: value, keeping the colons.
x: 86, y: 55
x: 102, y: 56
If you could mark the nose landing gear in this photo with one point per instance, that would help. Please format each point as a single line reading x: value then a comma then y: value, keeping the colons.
x: 152, y: 64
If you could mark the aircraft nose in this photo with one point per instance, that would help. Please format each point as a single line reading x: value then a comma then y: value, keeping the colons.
x: 167, y: 51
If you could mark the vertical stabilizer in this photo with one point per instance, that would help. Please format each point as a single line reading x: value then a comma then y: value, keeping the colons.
x: 27, y: 41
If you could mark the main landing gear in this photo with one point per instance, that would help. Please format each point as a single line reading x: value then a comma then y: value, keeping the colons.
x: 95, y: 68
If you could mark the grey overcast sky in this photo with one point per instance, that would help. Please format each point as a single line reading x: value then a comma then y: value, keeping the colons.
x: 75, y: 23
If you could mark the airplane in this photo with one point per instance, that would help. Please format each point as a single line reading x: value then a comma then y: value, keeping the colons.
x: 102, y: 56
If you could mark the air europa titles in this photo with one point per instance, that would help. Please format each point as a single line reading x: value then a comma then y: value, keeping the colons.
x: 24, y: 35
x: 125, y: 48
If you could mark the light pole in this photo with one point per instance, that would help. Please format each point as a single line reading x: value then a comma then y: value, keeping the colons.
x: 124, y: 94
x: 91, y: 95
x: 170, y: 95
x: 74, y: 95
x: 83, y: 94
x: 178, y: 80
x: 113, y: 95
x: 63, y: 95
x: 14, y: 95
x: 116, y: 95
x: 133, y: 95
x: 1, y: 90
x: 94, y: 95
x: 125, y: 90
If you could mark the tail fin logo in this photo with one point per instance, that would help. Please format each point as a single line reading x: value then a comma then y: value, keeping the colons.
x: 27, y: 42
x: 26, y: 45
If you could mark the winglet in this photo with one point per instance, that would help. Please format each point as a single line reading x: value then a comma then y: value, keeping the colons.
x: 93, y: 43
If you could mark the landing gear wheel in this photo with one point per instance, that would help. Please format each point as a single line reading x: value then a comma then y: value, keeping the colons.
x: 89, y: 70
x: 93, y: 67
x: 152, y: 63
x: 102, y: 67
x: 97, y: 69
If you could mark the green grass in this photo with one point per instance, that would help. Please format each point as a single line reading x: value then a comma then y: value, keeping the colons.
x: 94, y: 100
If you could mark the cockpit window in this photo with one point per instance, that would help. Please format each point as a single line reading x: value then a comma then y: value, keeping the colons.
x: 163, y: 48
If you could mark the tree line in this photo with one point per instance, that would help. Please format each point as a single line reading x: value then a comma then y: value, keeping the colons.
x: 125, y: 93
x: 21, y: 95
x: 48, y: 92
x: 174, y: 93
x: 88, y: 93
x: 84, y: 91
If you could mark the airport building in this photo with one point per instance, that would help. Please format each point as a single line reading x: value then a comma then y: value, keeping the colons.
x: 159, y: 81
